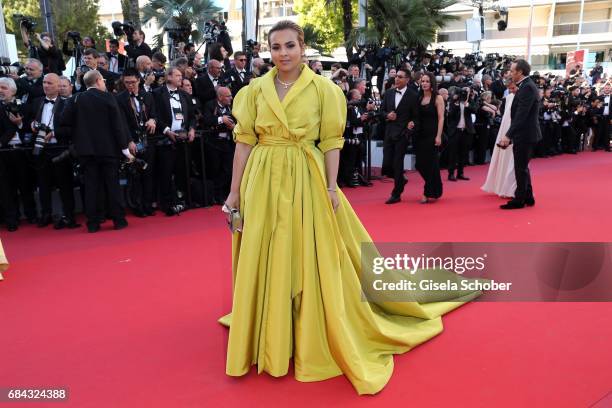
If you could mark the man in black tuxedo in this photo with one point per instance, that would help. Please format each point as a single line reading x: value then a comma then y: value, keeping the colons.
x: 238, y: 77
x: 524, y: 133
x: 219, y: 143
x: 140, y: 116
x: 30, y: 87
x: 117, y: 62
x: 205, y: 84
x: 15, y: 182
x: 460, y: 130
x: 47, y: 112
x: 175, y: 124
x: 100, y: 139
x: 402, y: 112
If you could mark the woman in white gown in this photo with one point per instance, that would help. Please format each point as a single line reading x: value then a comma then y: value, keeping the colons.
x: 500, y: 178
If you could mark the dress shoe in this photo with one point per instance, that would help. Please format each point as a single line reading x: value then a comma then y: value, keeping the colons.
x: 91, y: 228
x: 12, y: 227
x: 120, y: 224
x: 33, y: 220
x: 512, y: 205
x: 530, y: 202
x: 43, y: 221
x: 139, y: 213
x: 66, y: 222
x: 149, y: 212
x: 451, y: 177
x: 462, y: 177
x: 393, y: 200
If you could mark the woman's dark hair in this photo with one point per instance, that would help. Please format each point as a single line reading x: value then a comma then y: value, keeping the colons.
x: 434, y: 85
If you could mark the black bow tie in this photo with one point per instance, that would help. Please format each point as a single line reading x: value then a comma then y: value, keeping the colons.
x: 398, y: 91
x: 136, y: 96
x: 49, y: 101
x: 172, y: 93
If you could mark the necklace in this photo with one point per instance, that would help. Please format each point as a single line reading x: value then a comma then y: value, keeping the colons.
x: 285, y: 84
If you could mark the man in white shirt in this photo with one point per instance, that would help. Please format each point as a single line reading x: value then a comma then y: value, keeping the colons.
x: 603, y: 130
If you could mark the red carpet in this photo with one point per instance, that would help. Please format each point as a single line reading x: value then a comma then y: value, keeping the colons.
x: 128, y: 318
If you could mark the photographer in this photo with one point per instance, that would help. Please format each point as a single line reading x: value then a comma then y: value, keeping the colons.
x: 30, y: 87
x: 175, y: 124
x: 44, y: 117
x: 15, y: 181
x: 77, y: 50
x: 100, y: 139
x: 117, y: 62
x: 340, y: 78
x: 219, y: 144
x: 485, y: 121
x: 145, y: 73
x: 357, y: 118
x: 205, y: 84
x: 460, y: 131
x: 603, y: 130
x: 139, y: 114
x: 551, y: 115
x: 238, y: 77
x: 47, y: 53
x: 136, y: 46
x: 90, y: 63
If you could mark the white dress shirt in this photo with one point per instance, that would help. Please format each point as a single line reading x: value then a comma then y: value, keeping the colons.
x: 399, y: 94
x: 47, y: 115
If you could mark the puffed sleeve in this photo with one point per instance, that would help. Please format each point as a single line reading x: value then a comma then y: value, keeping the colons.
x: 333, y: 118
x: 244, y: 111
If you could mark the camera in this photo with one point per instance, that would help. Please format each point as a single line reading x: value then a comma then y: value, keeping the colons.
x: 84, y: 68
x: 463, y: 94
x: 42, y: 131
x: 120, y: 28
x: 74, y: 36
x: 13, y: 107
x: 26, y: 22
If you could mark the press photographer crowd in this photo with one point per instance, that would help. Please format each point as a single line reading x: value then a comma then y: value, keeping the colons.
x: 151, y: 133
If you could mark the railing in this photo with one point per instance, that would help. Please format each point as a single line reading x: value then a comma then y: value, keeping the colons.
x: 592, y: 27
x: 519, y: 32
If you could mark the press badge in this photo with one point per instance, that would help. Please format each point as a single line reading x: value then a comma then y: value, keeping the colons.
x: 178, y: 113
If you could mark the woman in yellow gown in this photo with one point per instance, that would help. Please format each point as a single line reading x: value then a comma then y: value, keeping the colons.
x: 296, y: 263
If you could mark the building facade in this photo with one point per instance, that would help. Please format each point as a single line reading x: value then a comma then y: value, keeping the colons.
x: 555, y: 31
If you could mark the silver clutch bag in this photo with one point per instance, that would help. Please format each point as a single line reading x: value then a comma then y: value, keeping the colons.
x: 234, y: 219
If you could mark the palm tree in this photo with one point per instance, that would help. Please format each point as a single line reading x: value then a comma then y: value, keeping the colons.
x: 131, y: 11
x: 180, y: 14
x: 347, y: 22
x: 404, y: 23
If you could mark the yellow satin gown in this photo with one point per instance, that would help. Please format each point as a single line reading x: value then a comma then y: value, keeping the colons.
x: 296, y: 264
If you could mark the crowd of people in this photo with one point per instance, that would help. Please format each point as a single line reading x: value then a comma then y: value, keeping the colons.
x: 166, y: 126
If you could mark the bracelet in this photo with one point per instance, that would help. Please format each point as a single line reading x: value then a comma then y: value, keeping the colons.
x: 331, y: 189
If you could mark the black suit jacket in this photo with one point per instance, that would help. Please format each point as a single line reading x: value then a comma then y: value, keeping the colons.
x: 524, y: 113
x: 96, y: 124
x: 236, y: 82
x: 34, y: 90
x: 161, y: 96
x: 454, y: 116
x: 34, y: 113
x: 122, y: 61
x: 407, y: 110
x: 7, y: 128
x: 204, y: 89
x: 125, y: 106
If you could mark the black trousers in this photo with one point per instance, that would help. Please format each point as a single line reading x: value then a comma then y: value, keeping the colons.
x: 428, y: 166
x: 219, y: 160
x: 164, y: 161
x: 458, y: 150
x: 394, y: 151
x: 481, y: 143
x: 603, y: 133
x: 348, y: 160
x: 101, y: 172
x: 522, y: 154
x: 51, y: 175
x: 16, y: 183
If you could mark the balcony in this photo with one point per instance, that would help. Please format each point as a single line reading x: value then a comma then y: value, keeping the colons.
x: 592, y: 27
x: 519, y: 32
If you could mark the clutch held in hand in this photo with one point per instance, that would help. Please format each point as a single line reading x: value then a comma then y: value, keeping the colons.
x: 234, y: 219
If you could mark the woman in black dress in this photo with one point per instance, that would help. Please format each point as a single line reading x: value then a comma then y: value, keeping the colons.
x: 429, y: 138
